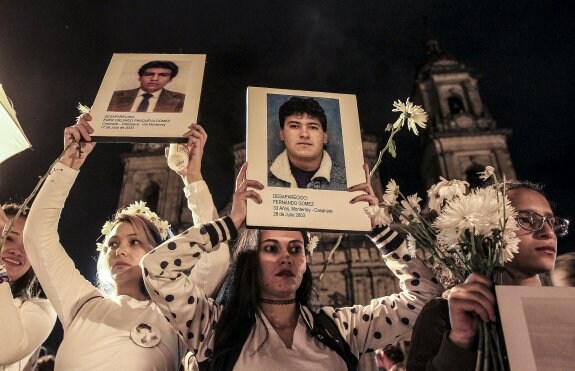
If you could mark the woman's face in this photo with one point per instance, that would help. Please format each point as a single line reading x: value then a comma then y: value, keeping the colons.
x: 13, y: 254
x: 537, y: 250
x: 126, y: 246
x: 282, y: 261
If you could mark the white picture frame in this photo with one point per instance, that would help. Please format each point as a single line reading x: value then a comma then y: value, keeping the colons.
x: 538, y: 326
x: 289, y: 207
x: 113, y: 116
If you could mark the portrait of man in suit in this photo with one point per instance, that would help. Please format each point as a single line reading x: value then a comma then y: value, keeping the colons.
x: 304, y: 161
x: 151, y: 95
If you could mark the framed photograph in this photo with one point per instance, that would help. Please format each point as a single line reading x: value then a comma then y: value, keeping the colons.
x: 305, y: 147
x: 148, y: 98
x: 539, y: 326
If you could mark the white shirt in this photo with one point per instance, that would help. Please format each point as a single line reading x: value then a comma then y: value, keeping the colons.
x: 99, y: 332
x: 151, y: 101
x: 364, y: 327
x: 24, y: 326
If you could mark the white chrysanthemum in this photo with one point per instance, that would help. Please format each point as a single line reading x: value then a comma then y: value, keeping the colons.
x: 107, y: 227
x: 413, y: 114
x: 411, y: 209
x: 391, y: 192
x: 487, y: 173
x: 510, y: 240
x: 511, y: 247
x: 380, y: 215
x: 411, y: 245
x: 445, y: 190
x: 312, y: 244
x: 477, y: 212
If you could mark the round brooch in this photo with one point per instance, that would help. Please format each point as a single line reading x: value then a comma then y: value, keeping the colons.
x: 145, y: 336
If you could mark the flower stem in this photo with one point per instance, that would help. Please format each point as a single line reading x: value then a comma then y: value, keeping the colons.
x: 380, y: 157
x: 480, y: 350
x: 331, y: 252
x: 6, y: 231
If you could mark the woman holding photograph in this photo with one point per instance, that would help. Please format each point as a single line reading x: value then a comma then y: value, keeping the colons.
x: 26, y: 316
x: 445, y: 335
x: 266, y: 318
x: 116, y: 326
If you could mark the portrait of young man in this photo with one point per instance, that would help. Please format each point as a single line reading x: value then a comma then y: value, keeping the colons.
x: 306, y: 158
x: 150, y: 96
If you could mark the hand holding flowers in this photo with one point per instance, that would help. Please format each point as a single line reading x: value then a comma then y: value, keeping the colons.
x: 472, y: 234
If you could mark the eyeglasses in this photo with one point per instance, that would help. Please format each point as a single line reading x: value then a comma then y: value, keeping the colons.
x: 534, y: 222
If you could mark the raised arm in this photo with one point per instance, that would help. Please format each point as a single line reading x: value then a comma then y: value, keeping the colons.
x: 386, y: 319
x: 179, y: 297
x: 211, y: 269
x: 199, y: 199
x: 166, y: 276
x: 62, y: 282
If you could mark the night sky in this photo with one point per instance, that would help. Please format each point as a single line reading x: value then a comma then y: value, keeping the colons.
x: 53, y: 54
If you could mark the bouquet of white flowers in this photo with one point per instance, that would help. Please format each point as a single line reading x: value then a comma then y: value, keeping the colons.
x: 462, y: 229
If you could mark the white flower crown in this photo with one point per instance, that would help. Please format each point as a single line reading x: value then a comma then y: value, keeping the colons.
x: 138, y: 208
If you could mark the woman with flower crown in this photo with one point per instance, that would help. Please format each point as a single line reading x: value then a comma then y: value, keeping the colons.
x: 265, y: 319
x: 446, y: 333
x: 117, y: 327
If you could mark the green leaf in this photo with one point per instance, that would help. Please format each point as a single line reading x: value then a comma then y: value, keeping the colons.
x: 392, y: 149
x: 388, y: 127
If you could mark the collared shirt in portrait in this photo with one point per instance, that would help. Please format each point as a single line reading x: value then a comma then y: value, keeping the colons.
x: 151, y: 101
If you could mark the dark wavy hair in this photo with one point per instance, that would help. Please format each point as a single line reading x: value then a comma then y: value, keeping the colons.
x: 160, y: 64
x: 299, y: 106
x: 240, y: 296
x: 525, y: 184
x: 394, y: 353
x: 514, y: 185
x: 27, y: 286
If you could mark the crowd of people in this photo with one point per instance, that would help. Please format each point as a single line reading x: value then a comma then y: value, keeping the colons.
x: 191, y: 301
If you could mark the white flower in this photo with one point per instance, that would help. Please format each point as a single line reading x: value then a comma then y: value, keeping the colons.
x: 107, y: 227
x: 477, y: 212
x: 411, y: 209
x: 312, y: 244
x: 510, y: 247
x: 487, y: 173
x: 411, y: 245
x: 138, y: 208
x: 380, y: 215
x: 391, y: 192
x: 510, y: 240
x: 445, y: 190
x: 415, y: 116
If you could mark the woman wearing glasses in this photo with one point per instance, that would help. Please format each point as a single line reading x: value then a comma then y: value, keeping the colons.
x: 445, y: 333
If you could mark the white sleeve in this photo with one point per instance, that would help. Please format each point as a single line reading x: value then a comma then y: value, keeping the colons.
x: 200, y: 202
x: 63, y: 284
x: 190, y: 312
x: 386, y: 319
x: 210, y: 271
x: 23, y: 328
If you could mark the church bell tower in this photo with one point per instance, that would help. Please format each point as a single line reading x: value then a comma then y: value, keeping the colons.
x: 462, y: 138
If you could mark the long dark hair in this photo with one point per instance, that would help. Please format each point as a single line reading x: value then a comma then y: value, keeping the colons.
x: 240, y: 296
x: 27, y: 286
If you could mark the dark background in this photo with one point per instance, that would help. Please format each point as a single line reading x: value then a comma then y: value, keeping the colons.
x: 54, y: 53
